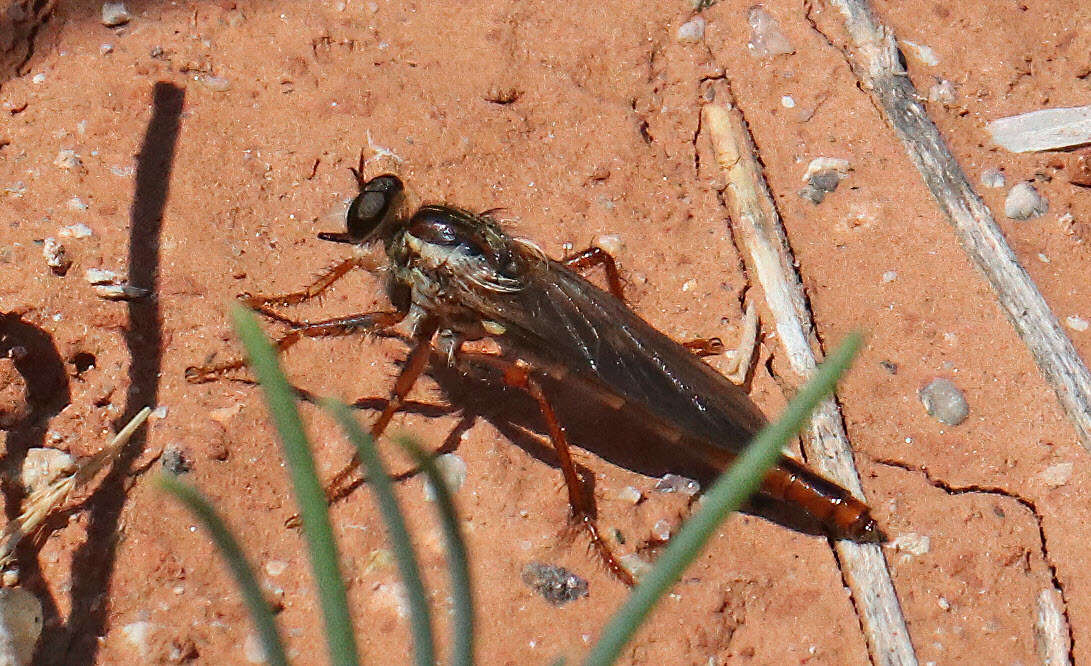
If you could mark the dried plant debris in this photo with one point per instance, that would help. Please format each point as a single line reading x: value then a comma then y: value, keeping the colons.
x: 1047, y: 129
x: 47, y: 498
x: 108, y: 285
x: 557, y: 585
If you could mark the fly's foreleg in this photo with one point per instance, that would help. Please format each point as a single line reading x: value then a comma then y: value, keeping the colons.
x: 519, y: 374
x: 323, y: 282
x: 596, y: 256
x: 370, y: 322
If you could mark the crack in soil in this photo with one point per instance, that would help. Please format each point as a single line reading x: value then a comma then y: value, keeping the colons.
x: 952, y: 489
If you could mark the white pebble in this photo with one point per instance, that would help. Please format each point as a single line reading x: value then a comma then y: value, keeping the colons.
x: 673, y: 483
x: 662, y: 530
x: 890, y: 276
x: 55, y: 256
x: 276, y: 567
x: 787, y: 102
x: 160, y: 412
x: 80, y: 230
x: 912, y: 543
x: 38, y: 78
x: 20, y: 625
x: 944, y: 401
x: 1076, y: 323
x: 923, y: 53
x: 610, y: 243
x: 105, y: 48
x: 138, y: 634
x: 819, y: 164
x: 100, y: 276
x: 115, y: 14
x: 766, y: 38
x: 215, y: 83
x: 629, y: 495
x: 1057, y: 475
x: 42, y: 466
x: 1024, y: 202
x: 691, y: 31
x: 253, y: 650
x: 943, y: 91
x: 452, y: 470
x: 76, y: 203
x: 993, y: 178
x: 67, y: 159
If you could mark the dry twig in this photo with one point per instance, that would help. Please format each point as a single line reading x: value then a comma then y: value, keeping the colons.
x: 875, y: 61
x: 769, y: 258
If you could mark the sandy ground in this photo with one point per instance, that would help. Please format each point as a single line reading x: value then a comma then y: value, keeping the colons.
x: 578, y: 120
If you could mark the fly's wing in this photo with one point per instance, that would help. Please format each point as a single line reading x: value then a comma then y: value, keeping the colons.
x: 563, y: 321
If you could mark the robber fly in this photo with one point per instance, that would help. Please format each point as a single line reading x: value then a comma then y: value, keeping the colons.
x: 456, y: 277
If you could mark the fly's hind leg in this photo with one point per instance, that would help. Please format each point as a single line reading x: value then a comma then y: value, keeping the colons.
x: 596, y: 256
x: 739, y: 357
x: 369, y: 322
x: 519, y: 374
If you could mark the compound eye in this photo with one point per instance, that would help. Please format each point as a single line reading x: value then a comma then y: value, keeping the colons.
x: 371, y: 206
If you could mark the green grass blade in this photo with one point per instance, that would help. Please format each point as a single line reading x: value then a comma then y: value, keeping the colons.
x: 457, y: 560
x: 724, y: 497
x: 236, y: 561
x: 420, y: 616
x: 309, y: 494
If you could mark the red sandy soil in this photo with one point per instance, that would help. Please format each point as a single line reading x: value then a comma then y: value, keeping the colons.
x: 579, y: 120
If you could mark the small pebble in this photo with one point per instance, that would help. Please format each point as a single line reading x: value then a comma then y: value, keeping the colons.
x: 672, y: 483
x: 691, y: 31
x: 890, y: 276
x: 215, y: 83
x: 1024, y: 202
x: 944, y: 401
x: 55, y: 256
x: 175, y: 460
x: 1076, y: 323
x: 993, y: 178
x: 629, y: 495
x: 912, y: 543
x: 766, y: 38
x: 636, y: 565
x: 20, y: 625
x: 119, y: 292
x: 160, y: 412
x: 115, y: 14
x: 253, y: 650
x: 100, y: 276
x: 76, y: 203
x: 225, y: 414
x: 275, y: 567
x: 105, y: 48
x: 67, y: 159
x: 138, y: 635
x: 610, y: 243
x: 944, y: 92
x: 43, y: 466
x: 452, y: 470
x: 922, y: 53
x: 662, y: 530
x: 80, y: 230
x: 556, y: 585
x: 1057, y: 475
x: 788, y: 102
x: 38, y: 78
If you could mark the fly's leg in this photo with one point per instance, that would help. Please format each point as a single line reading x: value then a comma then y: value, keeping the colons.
x: 321, y: 284
x: 352, y: 325
x: 518, y: 374
x: 705, y: 346
x: 415, y: 364
x: 739, y: 357
x: 596, y: 256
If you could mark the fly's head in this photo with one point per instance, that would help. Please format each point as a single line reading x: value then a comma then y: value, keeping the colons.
x: 373, y: 214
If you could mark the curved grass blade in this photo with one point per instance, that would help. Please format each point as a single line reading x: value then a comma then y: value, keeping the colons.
x: 457, y: 560
x: 236, y: 561
x: 309, y: 495
x: 420, y: 616
x: 725, y: 496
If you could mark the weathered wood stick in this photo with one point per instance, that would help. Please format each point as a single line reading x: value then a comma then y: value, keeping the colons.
x: 875, y: 61
x: 768, y: 256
